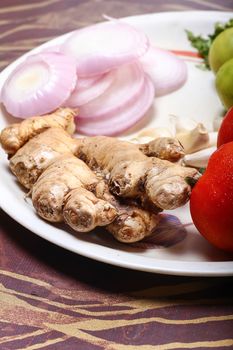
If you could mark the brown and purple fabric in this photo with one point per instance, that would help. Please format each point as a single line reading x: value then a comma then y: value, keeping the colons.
x: 52, y: 299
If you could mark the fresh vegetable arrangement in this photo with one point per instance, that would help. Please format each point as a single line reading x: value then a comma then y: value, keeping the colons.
x: 108, y: 71
x: 103, y: 85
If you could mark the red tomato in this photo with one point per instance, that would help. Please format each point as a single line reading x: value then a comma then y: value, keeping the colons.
x: 211, y: 202
x: 225, y: 133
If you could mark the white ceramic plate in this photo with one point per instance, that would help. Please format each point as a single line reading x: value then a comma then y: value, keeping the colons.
x: 182, y: 250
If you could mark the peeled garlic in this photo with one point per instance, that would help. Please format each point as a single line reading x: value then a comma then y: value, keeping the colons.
x: 156, y: 132
x: 195, y: 139
x: 143, y: 139
x: 199, y: 159
x: 148, y: 135
x: 213, y: 138
x: 192, y: 135
x: 182, y: 124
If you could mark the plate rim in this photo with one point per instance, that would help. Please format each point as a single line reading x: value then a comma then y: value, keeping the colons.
x: 218, y: 268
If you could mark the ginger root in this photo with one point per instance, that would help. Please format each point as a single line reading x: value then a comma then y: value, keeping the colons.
x: 31, y: 159
x: 62, y: 192
x: 81, y: 199
x: 99, y: 181
x: 15, y: 136
x: 132, y: 174
x: 167, y: 148
x: 63, y: 188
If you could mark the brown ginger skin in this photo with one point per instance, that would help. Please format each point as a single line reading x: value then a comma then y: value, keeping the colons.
x: 38, y: 153
x: 81, y: 199
x: 63, y: 187
x: 83, y: 211
x: 16, y: 135
x: 134, y: 175
x: 167, y: 148
x: 132, y: 223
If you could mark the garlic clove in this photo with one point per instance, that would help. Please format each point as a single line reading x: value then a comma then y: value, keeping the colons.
x: 142, y: 139
x: 182, y: 124
x: 156, y: 132
x: 213, y: 136
x: 195, y: 139
x: 199, y: 159
x: 148, y: 135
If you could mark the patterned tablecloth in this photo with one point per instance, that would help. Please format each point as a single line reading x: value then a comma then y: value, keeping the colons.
x: 54, y: 299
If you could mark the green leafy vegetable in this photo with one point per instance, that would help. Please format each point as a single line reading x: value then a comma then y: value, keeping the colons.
x: 202, y: 44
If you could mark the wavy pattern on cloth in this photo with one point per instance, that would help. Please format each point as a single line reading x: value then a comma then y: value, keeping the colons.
x: 26, y: 24
x: 38, y: 315
x: 58, y: 300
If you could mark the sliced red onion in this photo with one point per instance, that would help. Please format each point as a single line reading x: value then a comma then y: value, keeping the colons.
x: 81, y: 96
x: 39, y: 85
x: 167, y: 71
x: 84, y: 83
x: 104, y: 46
x: 128, y: 81
x: 117, y: 122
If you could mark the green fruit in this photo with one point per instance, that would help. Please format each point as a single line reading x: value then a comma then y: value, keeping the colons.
x: 221, y: 49
x: 224, y: 83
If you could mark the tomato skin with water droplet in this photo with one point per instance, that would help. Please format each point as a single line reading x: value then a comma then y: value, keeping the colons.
x: 225, y: 133
x: 211, y: 202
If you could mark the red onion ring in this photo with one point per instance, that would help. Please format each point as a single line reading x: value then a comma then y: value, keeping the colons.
x: 105, y: 46
x: 127, y: 83
x: 39, y: 85
x: 167, y: 71
x: 118, y: 122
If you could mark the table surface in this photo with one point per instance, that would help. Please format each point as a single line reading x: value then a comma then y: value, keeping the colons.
x: 54, y: 299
